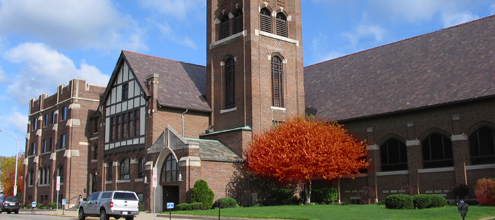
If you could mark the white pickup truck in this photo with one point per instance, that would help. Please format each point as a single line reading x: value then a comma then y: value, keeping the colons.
x: 108, y: 204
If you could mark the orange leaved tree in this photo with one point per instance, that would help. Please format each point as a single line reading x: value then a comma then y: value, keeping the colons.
x: 8, y: 174
x: 302, y: 149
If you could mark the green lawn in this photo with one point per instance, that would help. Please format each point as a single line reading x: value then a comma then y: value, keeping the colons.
x: 324, y: 212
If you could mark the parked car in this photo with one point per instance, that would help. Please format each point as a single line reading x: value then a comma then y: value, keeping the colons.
x: 108, y: 204
x: 10, y: 204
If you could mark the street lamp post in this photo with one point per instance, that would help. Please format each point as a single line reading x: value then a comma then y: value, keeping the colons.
x: 16, y: 154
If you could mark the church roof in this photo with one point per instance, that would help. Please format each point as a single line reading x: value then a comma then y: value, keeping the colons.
x: 447, y: 66
x: 181, y: 85
x: 212, y: 150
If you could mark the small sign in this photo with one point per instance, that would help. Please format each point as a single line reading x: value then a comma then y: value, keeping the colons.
x: 64, y: 201
x: 170, y: 205
x: 33, y: 204
x: 155, y: 178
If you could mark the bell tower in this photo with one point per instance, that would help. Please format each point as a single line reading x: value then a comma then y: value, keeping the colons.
x: 255, y: 76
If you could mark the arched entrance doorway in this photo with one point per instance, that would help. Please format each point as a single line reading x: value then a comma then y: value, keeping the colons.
x: 170, y: 181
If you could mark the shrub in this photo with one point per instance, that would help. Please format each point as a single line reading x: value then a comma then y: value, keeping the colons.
x: 399, y: 201
x: 367, y: 194
x: 326, y: 195
x: 421, y: 201
x: 460, y: 191
x: 226, y: 203
x: 181, y: 206
x: 437, y: 201
x: 345, y: 203
x: 485, y: 191
x: 201, y: 193
x: 280, y: 196
x: 23, y: 205
x: 189, y: 206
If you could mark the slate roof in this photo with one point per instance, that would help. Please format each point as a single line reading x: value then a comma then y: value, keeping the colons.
x: 447, y: 66
x: 211, y: 150
x: 181, y: 85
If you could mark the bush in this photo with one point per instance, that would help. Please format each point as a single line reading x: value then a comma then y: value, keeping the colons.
x: 226, y: 203
x: 189, y: 206
x: 460, y: 191
x: 23, y: 205
x: 326, y: 195
x: 485, y: 191
x: 421, y: 201
x: 280, y: 197
x: 437, y: 201
x: 399, y: 201
x: 201, y: 193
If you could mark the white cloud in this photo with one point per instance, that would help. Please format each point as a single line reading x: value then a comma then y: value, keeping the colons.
x: 45, y: 69
x: 16, y: 120
x: 452, y: 19
x: 2, y: 75
x: 175, y: 8
x: 493, y: 9
x: 365, y: 33
x: 71, y: 24
x: 167, y: 32
x: 414, y: 10
x: 320, y: 49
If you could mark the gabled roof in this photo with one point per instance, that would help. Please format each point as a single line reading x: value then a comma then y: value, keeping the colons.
x: 212, y: 150
x: 181, y: 85
x: 447, y: 66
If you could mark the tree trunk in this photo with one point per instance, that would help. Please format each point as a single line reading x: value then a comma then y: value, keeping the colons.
x: 308, y: 192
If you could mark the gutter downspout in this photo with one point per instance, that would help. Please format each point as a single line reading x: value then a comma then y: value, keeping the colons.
x: 183, y: 122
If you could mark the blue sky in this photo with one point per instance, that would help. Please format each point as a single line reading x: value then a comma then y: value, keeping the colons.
x: 45, y: 43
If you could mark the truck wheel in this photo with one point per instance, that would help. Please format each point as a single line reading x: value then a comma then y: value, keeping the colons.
x: 129, y: 218
x: 103, y: 215
x: 81, y: 214
x: 16, y: 211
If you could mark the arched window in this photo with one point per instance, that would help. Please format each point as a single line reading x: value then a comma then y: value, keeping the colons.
x: 30, y: 178
x: 265, y: 20
x: 482, y: 146
x: 437, y: 151
x: 47, y: 176
x: 238, y: 24
x: 110, y: 171
x: 281, y: 22
x: 229, y: 83
x: 141, y: 168
x: 95, y: 152
x: 125, y: 169
x: 170, y: 170
x: 61, y: 173
x: 224, y: 27
x: 393, y: 155
x: 277, y: 82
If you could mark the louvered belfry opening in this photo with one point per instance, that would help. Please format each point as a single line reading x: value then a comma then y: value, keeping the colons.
x: 229, y: 83
x: 224, y: 27
x: 281, y: 25
x: 238, y: 24
x: 277, y: 76
x: 265, y: 20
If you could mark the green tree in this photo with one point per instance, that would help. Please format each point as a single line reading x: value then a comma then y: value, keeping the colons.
x: 202, y: 193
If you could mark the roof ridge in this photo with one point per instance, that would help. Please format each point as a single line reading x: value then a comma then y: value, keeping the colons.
x: 362, y: 51
x: 162, y: 58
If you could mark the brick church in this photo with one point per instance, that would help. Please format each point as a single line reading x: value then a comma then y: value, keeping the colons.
x: 424, y: 105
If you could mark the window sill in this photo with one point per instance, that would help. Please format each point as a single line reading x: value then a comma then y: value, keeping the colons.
x: 480, y: 167
x: 279, y: 108
x: 108, y: 182
x: 436, y: 170
x: 228, y: 39
x: 94, y: 161
x: 228, y: 110
x: 277, y: 37
x: 58, y: 150
x: 123, y: 181
x: 389, y: 173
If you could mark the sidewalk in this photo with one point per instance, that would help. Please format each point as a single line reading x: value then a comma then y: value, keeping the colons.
x: 141, y: 216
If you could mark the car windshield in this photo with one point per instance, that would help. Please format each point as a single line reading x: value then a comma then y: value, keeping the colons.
x: 124, y: 196
x: 11, y: 199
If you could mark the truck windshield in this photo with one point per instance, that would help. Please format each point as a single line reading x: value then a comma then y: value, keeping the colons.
x: 124, y: 196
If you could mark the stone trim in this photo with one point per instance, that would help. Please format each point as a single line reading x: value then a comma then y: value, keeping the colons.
x: 228, y: 39
x: 278, y: 108
x: 276, y: 37
x: 228, y: 110
x: 480, y: 167
x: 354, y: 176
x: 373, y: 147
x: 459, y: 137
x: 415, y: 142
x: 389, y: 173
x: 436, y: 170
x: 190, y: 162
